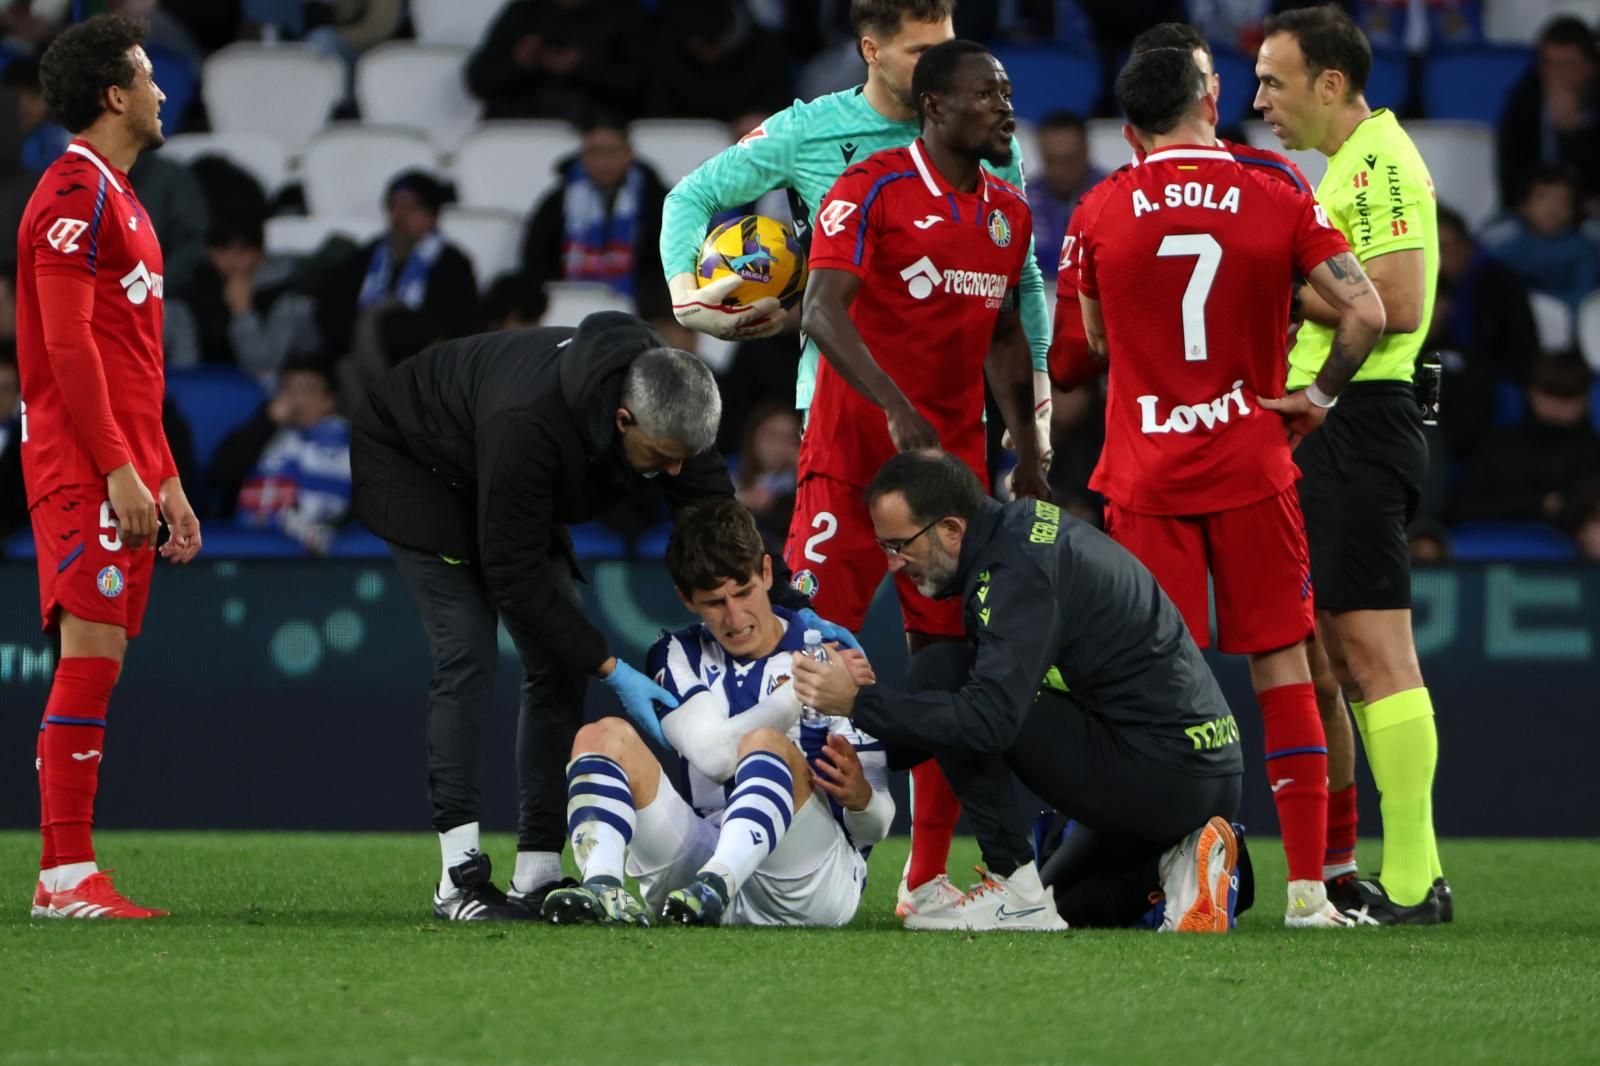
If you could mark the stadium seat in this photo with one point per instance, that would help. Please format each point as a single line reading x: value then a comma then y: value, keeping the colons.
x: 594, y: 541
x: 1472, y: 83
x: 675, y: 146
x: 455, y: 22
x: 492, y: 238
x: 1589, y: 330
x: 1519, y: 21
x: 418, y: 85
x: 1553, y: 319
x: 283, y: 91
x: 572, y: 301
x: 1311, y: 162
x: 510, y: 164
x: 1510, y: 403
x: 20, y: 545
x: 1509, y: 542
x: 1047, y: 78
x: 347, y: 166
x: 262, y: 157
x: 1107, y: 148
x: 304, y: 234
x: 1386, y: 85
x: 231, y: 539
x: 214, y: 400
x: 1460, y: 157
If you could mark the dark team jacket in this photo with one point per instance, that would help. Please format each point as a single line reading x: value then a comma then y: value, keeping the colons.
x: 487, y: 447
x: 1052, y: 603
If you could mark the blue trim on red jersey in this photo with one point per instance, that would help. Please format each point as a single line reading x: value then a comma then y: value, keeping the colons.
x: 62, y: 719
x: 94, y: 226
x: 866, y: 205
x: 1276, y: 164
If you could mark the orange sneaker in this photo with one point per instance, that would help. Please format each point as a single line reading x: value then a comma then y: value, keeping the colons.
x: 1197, y: 874
x: 97, y: 897
x: 41, y: 901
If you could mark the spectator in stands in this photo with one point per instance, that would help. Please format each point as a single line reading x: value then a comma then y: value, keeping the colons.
x: 1582, y: 520
x: 1544, y: 243
x: 602, y: 222
x: 513, y: 301
x: 761, y: 373
x: 768, y: 464
x: 386, y: 336
x: 28, y: 26
x: 1483, y: 329
x: 289, y: 466
x: 172, y: 196
x: 13, y: 495
x: 1527, y: 473
x: 245, y: 317
x: 411, y: 263
x: 1552, y: 117
x: 1062, y: 175
x: 43, y: 138
x: 713, y: 45
x: 558, y: 58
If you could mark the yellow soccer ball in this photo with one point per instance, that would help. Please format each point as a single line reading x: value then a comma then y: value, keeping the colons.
x: 762, y: 251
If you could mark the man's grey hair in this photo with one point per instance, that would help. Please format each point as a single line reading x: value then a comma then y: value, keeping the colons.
x: 672, y: 395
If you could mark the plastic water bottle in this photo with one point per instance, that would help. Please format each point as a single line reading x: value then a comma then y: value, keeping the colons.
x: 815, y: 650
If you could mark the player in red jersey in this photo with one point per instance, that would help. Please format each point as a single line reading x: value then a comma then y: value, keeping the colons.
x: 915, y: 260
x: 1186, y: 269
x: 89, y: 315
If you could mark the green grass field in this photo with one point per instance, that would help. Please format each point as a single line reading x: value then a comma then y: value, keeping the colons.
x: 306, y: 948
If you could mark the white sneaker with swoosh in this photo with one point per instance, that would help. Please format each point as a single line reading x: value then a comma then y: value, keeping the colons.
x: 1018, y: 903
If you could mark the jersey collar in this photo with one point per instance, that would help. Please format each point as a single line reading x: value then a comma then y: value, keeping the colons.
x: 1187, y: 152
x: 934, y: 181
x: 83, y: 148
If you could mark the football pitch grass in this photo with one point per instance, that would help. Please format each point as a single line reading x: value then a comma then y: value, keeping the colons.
x: 319, y: 948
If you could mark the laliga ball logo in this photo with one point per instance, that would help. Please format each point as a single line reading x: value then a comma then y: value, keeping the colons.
x: 999, y: 229
x: 110, y: 582
x: 804, y: 582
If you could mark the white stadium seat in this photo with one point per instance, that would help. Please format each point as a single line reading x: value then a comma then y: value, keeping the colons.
x: 283, y: 91
x: 572, y: 301
x: 255, y: 153
x: 419, y: 85
x: 490, y: 237
x: 1107, y: 149
x: 458, y: 22
x: 675, y: 146
x: 347, y: 166
x: 1312, y: 163
x: 1553, y: 319
x: 1589, y: 330
x: 510, y: 164
x: 1460, y: 156
x: 304, y: 234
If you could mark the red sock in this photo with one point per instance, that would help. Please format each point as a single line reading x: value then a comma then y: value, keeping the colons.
x: 1297, y: 769
x: 70, y: 751
x: 47, y: 849
x: 1342, y: 819
x: 934, y: 813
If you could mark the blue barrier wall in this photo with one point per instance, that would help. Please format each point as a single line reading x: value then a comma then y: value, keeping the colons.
x: 289, y: 694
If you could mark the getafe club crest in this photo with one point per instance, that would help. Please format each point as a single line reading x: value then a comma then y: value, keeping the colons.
x: 110, y: 582
x: 804, y: 582
x: 999, y: 229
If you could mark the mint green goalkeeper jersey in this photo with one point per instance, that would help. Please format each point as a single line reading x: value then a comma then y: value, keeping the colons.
x: 804, y: 148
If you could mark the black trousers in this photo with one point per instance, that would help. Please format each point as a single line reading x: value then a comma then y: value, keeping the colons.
x: 462, y: 628
x: 1130, y: 808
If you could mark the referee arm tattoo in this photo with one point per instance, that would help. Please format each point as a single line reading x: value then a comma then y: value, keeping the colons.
x: 1347, y: 289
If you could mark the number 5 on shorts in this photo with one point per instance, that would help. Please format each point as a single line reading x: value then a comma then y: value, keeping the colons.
x: 112, y: 542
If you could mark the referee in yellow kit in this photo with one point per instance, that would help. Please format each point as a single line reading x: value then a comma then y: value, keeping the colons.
x: 1362, y: 471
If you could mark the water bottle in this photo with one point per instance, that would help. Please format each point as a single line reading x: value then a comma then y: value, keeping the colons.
x: 815, y: 650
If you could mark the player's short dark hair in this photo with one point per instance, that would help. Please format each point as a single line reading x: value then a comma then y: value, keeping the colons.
x: 1564, y: 29
x: 1329, y: 39
x: 429, y: 189
x: 714, y: 542
x: 1063, y: 120
x: 602, y: 118
x: 1157, y: 88
x: 884, y: 18
x: 311, y: 364
x: 1170, y: 35
x: 85, y: 61
x: 934, y: 483
x: 936, y: 70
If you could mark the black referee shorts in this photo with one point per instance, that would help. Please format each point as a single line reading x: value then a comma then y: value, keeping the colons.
x: 1361, y: 480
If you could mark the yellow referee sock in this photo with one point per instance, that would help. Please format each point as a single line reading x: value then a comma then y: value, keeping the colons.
x: 1358, y: 711
x: 1403, y: 750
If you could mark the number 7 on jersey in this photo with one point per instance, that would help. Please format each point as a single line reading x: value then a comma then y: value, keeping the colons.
x: 1208, y: 255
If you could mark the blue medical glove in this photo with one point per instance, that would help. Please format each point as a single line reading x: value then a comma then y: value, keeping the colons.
x: 639, y: 695
x: 809, y: 619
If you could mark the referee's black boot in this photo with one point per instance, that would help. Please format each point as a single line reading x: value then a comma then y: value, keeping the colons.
x: 1447, y: 899
x: 1378, y: 909
x: 475, y: 898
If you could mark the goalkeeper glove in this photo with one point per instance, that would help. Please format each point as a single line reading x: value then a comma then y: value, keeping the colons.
x: 709, y: 310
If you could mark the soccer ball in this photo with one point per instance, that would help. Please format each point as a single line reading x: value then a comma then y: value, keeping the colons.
x: 762, y: 251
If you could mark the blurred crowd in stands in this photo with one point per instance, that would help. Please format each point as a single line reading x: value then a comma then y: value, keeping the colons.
x: 1516, y: 320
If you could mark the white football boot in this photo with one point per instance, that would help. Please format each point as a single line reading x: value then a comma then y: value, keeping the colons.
x: 1309, y: 908
x: 1018, y: 903
x: 1199, y: 874
x: 933, y: 895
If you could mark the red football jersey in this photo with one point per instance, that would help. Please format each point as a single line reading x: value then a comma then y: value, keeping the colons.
x: 1193, y: 257
x: 936, y: 266
x: 1070, y: 363
x: 85, y: 417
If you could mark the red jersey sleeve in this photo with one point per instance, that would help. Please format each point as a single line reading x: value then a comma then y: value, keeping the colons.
x: 841, y: 237
x: 66, y: 302
x: 1071, y: 363
x: 66, y: 238
x: 1315, y: 239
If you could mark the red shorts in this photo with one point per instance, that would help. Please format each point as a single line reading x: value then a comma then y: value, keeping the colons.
x: 835, y: 558
x: 1256, y: 556
x: 84, y: 568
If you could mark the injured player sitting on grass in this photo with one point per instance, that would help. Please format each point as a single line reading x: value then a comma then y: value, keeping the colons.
x: 782, y: 805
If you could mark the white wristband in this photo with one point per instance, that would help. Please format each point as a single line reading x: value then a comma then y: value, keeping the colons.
x: 1319, y: 398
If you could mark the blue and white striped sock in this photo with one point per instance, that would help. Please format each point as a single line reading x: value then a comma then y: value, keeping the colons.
x: 759, y: 813
x: 600, y: 815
